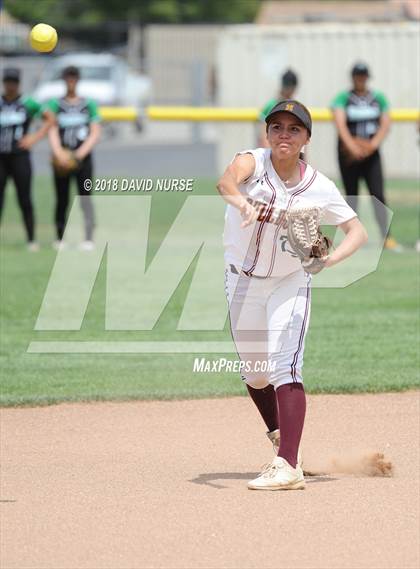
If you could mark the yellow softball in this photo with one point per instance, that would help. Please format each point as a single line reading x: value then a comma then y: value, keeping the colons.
x: 43, y: 38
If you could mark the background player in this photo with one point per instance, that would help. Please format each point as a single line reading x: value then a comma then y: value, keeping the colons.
x: 77, y: 129
x: 362, y: 120
x: 16, y: 114
x: 287, y: 90
x: 268, y: 291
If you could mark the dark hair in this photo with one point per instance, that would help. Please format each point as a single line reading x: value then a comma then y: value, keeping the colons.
x: 360, y: 68
x: 70, y: 71
x: 289, y: 79
x: 11, y: 74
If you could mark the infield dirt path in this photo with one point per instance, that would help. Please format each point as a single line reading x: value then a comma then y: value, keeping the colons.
x: 163, y: 485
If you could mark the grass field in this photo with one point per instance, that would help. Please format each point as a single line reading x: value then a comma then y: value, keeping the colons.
x: 362, y: 338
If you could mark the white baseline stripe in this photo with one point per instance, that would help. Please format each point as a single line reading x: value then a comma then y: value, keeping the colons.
x: 120, y: 347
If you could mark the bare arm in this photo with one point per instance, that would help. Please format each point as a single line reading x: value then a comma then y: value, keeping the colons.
x: 345, y: 135
x: 29, y: 140
x: 87, y: 146
x: 356, y: 236
x: 237, y: 172
x: 384, y: 126
x: 55, y: 142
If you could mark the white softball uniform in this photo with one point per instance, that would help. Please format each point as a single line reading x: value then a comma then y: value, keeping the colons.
x: 268, y: 292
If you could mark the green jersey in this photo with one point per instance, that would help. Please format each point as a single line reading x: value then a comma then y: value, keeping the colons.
x: 363, y: 112
x: 74, y: 119
x: 265, y: 111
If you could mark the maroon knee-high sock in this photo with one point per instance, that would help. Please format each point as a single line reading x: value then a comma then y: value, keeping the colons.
x: 291, y: 402
x: 266, y: 402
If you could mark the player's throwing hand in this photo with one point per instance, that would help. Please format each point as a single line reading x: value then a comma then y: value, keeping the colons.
x: 249, y: 214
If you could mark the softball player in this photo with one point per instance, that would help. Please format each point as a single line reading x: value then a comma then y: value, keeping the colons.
x: 362, y: 120
x: 16, y: 114
x: 77, y: 129
x: 268, y: 292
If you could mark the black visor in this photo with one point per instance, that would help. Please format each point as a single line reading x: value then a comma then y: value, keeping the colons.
x: 295, y: 108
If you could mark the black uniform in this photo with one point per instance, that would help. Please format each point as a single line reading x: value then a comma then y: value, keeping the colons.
x: 15, y: 118
x: 74, y: 121
x: 363, y: 115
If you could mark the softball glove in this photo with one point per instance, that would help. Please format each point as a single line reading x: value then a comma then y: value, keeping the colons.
x: 65, y: 169
x: 306, y: 238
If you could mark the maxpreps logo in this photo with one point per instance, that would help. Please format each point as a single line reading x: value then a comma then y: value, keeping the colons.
x: 142, y: 279
x: 202, y: 365
x: 144, y: 268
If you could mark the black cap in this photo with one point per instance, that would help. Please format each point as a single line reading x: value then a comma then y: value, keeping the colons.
x: 70, y: 71
x: 295, y: 108
x: 360, y: 69
x: 11, y: 74
x: 289, y: 79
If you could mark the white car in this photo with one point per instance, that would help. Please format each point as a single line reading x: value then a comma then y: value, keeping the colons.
x: 104, y: 77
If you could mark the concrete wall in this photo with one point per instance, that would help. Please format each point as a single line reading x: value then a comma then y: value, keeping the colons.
x: 181, y: 62
x: 251, y: 58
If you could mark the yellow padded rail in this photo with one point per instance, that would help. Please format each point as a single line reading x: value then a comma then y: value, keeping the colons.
x: 210, y: 114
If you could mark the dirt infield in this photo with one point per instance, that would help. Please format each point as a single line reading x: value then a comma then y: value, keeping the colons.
x: 163, y: 485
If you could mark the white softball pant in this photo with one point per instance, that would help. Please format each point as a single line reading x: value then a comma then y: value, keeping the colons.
x: 269, y: 319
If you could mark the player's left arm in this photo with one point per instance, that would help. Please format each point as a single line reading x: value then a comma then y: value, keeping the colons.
x: 48, y: 119
x: 355, y: 236
x: 94, y: 133
x: 384, y: 122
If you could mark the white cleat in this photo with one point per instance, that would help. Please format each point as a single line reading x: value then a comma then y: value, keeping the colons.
x: 33, y: 247
x: 279, y: 475
x: 87, y: 246
x: 59, y: 245
x: 274, y: 437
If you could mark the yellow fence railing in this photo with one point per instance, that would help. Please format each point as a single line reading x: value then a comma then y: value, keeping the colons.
x: 210, y: 114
